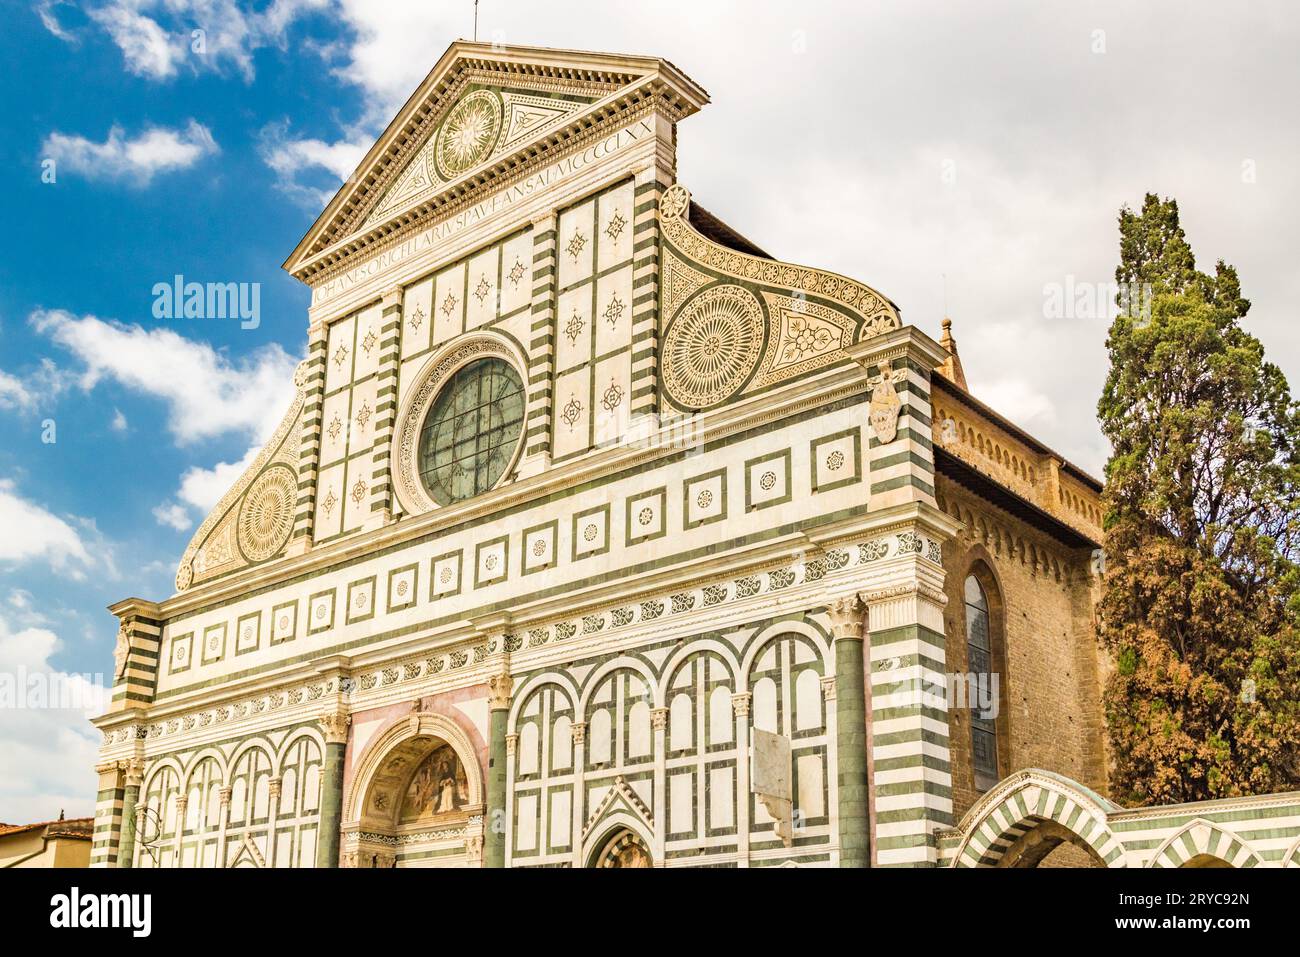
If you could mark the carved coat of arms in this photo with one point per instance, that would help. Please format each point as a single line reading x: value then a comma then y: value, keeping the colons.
x: 885, y: 405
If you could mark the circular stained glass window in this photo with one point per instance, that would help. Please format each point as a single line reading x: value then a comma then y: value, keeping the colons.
x: 471, y: 434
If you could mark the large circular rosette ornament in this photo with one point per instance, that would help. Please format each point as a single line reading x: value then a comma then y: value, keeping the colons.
x: 266, y: 515
x: 713, y: 346
x: 469, y: 133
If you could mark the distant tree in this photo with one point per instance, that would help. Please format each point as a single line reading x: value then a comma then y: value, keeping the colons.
x: 1201, y: 592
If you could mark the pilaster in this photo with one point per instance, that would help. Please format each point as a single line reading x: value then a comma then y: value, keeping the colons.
x: 650, y: 182
x: 541, y: 346
x: 390, y: 337
x: 900, y: 452
x: 109, y: 802
x: 309, y: 440
x: 135, y: 654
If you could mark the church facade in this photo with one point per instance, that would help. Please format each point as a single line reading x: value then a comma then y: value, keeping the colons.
x: 595, y: 536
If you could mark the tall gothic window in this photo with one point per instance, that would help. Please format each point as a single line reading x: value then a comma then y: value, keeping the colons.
x: 979, y: 652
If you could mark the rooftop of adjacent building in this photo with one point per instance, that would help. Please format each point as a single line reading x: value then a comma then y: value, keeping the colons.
x: 77, y: 828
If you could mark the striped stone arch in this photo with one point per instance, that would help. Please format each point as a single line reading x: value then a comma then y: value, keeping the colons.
x: 1202, y: 838
x: 1021, y: 803
x: 1292, y: 856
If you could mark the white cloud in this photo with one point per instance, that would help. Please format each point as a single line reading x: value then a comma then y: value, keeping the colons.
x: 148, y: 49
x: 173, y: 516
x: 291, y: 158
x: 13, y: 393
x: 207, y: 393
x: 156, y: 150
x: 47, y: 754
x: 118, y: 423
x: 45, y: 10
x: 33, y: 533
x: 157, y: 37
x: 203, y: 488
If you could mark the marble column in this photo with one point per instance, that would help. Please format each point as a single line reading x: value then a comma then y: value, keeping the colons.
x: 740, y: 705
x: 130, y: 800
x: 500, y: 687
x: 334, y: 725
x: 853, y: 797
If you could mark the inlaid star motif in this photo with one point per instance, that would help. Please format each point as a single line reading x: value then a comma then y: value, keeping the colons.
x: 572, y: 410
x: 335, y: 427
x: 449, y: 303
x: 416, y: 318
x: 615, y: 225
x: 482, y: 289
x: 516, y: 272
x: 329, y: 502
x: 573, y: 328
x: 612, y: 398
x: 369, y: 341
x: 576, y: 244
x: 363, y: 414
x: 340, y: 355
x: 614, y: 311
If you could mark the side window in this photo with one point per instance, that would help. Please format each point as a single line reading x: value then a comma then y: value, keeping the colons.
x: 979, y: 650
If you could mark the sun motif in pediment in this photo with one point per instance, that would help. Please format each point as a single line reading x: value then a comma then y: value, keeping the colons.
x: 469, y: 133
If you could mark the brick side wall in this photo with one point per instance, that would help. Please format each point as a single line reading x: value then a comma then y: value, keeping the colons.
x: 1041, y: 598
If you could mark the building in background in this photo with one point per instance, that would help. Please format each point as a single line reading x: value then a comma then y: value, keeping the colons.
x: 597, y: 536
x: 61, y: 843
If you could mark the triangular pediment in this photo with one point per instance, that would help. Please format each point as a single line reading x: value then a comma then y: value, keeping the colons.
x: 482, y: 112
x: 486, y: 122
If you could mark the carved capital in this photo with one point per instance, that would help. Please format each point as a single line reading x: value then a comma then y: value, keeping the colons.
x: 108, y: 767
x: 182, y: 802
x: 579, y: 732
x: 500, y: 687
x: 740, y: 704
x: 511, y: 741
x: 392, y: 296
x: 474, y: 849
x: 134, y: 769
x: 273, y: 787
x: 848, y: 618
x: 334, y: 725
x: 659, y: 719
x: 224, y: 796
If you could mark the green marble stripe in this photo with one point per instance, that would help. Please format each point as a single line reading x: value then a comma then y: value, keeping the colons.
x: 913, y: 437
x: 913, y: 735
x: 902, y: 481
x: 899, y: 458
x: 902, y: 762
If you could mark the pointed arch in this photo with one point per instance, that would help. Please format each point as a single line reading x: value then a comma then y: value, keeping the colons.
x: 1021, y: 803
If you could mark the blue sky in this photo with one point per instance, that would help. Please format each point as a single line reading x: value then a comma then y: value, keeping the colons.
x: 959, y: 157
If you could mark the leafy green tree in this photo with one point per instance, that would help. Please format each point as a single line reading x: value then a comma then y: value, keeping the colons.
x: 1200, y: 608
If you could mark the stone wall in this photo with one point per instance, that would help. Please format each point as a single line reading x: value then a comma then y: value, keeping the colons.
x: 1041, y: 599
